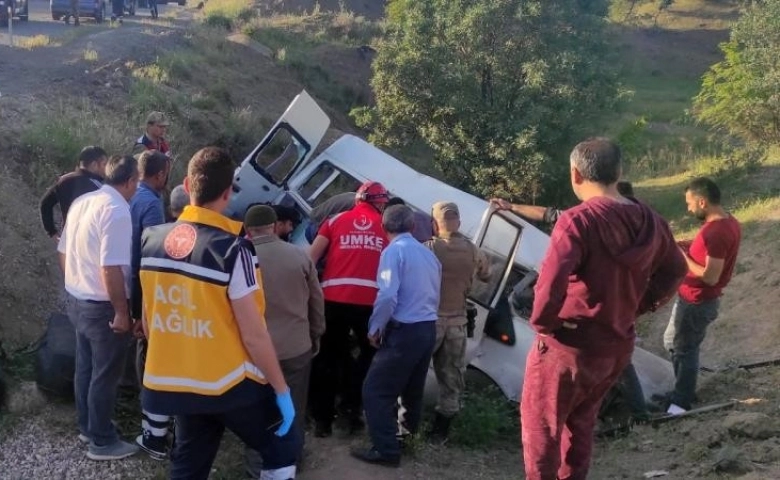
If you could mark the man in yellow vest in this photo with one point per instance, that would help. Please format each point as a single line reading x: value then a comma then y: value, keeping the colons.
x: 210, y: 359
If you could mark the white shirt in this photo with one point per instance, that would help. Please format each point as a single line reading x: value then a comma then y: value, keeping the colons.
x: 98, y: 234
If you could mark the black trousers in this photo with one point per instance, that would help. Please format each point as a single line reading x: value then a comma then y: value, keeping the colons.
x: 198, y: 438
x: 399, y: 369
x: 335, y: 371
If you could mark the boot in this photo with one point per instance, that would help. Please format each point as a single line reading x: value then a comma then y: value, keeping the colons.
x: 441, y: 429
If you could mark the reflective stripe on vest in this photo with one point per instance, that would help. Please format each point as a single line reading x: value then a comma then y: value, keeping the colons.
x: 207, y: 388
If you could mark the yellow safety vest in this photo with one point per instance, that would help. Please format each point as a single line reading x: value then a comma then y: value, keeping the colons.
x: 196, y: 361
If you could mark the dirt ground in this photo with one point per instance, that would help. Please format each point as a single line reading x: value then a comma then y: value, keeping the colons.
x: 740, y: 443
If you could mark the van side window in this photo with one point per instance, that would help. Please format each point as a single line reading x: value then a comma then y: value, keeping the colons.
x: 498, y: 245
x: 280, y: 154
x: 325, y: 182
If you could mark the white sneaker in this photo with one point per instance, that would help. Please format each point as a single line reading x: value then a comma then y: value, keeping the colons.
x: 83, y: 438
x: 675, y: 409
x: 115, y: 451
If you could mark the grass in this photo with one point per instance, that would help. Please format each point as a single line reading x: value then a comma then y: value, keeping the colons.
x: 36, y: 41
x: 90, y: 54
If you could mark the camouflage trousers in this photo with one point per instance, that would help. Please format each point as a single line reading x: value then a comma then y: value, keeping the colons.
x: 449, y: 363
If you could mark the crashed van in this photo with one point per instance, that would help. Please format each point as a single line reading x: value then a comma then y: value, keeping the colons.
x: 281, y: 170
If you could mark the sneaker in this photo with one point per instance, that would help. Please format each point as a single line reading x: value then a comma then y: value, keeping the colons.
x: 83, y: 438
x: 115, y: 451
x: 154, y: 447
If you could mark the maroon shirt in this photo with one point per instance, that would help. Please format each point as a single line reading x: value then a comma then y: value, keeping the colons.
x: 716, y: 239
x: 607, y: 263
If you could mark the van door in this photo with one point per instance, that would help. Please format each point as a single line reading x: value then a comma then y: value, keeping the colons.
x: 501, y: 338
x: 264, y: 173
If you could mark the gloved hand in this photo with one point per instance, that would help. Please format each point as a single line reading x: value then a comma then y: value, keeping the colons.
x: 285, y: 404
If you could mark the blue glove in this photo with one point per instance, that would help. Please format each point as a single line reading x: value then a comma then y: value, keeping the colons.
x: 285, y: 404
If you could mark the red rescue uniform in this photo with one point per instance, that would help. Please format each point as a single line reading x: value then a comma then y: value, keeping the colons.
x: 356, y: 241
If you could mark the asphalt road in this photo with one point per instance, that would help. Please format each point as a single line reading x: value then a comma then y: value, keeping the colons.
x: 41, y: 23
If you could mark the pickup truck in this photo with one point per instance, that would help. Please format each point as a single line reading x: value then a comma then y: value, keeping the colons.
x: 281, y: 170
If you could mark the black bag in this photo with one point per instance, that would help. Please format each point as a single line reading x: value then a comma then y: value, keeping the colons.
x: 55, y: 359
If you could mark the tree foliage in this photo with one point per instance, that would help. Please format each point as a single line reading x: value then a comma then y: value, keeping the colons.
x: 501, y: 90
x: 741, y: 94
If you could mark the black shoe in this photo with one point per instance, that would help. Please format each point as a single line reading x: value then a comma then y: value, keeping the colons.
x: 372, y: 455
x: 440, y: 431
x: 323, y: 429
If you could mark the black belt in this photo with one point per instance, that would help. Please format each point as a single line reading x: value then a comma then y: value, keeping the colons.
x: 98, y: 302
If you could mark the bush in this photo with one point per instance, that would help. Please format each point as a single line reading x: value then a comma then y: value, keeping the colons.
x: 739, y: 94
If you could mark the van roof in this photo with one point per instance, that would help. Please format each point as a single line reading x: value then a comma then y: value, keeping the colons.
x: 366, y: 162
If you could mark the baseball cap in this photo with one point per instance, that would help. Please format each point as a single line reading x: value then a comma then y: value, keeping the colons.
x: 259, y: 216
x: 157, y: 118
x: 443, y: 210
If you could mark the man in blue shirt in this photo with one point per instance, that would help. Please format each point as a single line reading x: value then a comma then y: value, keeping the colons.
x: 403, y: 329
x: 147, y: 210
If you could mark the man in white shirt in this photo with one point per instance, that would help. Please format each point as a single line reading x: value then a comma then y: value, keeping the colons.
x: 95, y: 251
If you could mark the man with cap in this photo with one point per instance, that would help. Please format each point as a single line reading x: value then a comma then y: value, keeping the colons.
x: 403, y: 329
x: 351, y: 243
x: 295, y: 309
x: 154, y: 136
x: 460, y: 259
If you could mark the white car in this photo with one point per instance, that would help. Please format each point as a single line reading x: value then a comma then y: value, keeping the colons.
x: 280, y: 170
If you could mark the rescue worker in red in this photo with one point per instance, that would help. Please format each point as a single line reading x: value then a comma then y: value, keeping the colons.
x: 610, y: 259
x: 351, y: 243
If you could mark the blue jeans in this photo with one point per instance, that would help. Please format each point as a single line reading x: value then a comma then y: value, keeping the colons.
x: 398, y: 369
x: 100, y: 362
x: 683, y: 336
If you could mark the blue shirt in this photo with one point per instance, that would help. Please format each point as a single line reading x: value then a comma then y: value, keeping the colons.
x: 147, y: 210
x: 409, y: 280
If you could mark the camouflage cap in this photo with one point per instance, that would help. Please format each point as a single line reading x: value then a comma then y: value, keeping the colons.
x: 445, y: 211
x: 157, y: 118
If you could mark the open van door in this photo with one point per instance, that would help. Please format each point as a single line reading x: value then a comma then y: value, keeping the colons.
x: 264, y: 173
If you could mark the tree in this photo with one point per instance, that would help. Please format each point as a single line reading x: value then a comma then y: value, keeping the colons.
x: 501, y: 90
x: 741, y: 94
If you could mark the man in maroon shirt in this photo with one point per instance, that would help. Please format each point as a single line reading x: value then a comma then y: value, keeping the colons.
x: 610, y: 259
x: 711, y: 257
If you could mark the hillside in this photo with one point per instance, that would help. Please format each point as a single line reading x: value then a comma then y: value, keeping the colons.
x: 225, y: 87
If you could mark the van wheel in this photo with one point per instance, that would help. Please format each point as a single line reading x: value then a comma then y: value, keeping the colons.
x: 56, y: 17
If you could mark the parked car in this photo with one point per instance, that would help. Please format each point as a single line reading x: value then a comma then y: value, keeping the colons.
x: 19, y: 9
x: 87, y: 9
x: 282, y: 169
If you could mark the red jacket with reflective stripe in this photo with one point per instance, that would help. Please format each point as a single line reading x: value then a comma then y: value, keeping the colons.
x: 356, y: 241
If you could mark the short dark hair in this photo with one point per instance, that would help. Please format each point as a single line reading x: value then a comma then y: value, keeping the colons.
x: 90, y: 155
x: 152, y: 162
x: 395, y: 201
x: 120, y: 169
x: 625, y: 188
x: 598, y: 160
x: 210, y: 173
x: 398, y: 219
x: 706, y: 188
x: 285, y: 213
